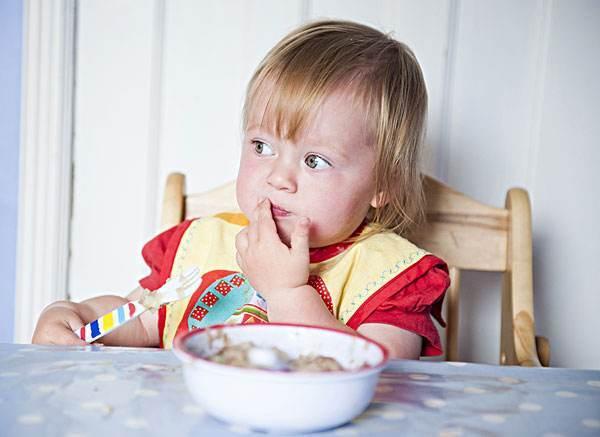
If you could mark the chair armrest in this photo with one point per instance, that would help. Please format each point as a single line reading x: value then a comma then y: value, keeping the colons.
x: 518, y: 330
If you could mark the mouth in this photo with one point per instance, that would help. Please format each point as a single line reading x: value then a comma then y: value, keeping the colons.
x: 279, y: 212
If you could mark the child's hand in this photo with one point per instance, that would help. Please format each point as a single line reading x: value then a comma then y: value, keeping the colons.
x: 267, y: 262
x: 56, y: 325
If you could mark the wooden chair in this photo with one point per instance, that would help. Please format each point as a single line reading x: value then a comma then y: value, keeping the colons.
x: 467, y: 234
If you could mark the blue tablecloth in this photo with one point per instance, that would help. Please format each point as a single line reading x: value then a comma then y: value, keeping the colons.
x: 103, y: 391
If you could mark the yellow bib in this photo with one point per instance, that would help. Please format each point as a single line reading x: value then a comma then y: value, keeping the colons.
x: 344, y: 281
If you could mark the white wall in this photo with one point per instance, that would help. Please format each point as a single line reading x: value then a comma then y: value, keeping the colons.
x: 512, y: 91
x: 565, y: 183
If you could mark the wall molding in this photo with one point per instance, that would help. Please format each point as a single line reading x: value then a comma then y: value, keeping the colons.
x: 45, y: 159
x: 443, y: 152
x: 156, y: 116
x: 539, y: 65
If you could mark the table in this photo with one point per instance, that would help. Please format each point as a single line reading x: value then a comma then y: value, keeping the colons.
x: 104, y: 391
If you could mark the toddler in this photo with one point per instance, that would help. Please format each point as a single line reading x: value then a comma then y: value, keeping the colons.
x: 328, y: 182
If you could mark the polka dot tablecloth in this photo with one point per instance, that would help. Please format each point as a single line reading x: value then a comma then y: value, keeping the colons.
x: 95, y: 391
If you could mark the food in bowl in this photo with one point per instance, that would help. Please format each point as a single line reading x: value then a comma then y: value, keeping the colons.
x: 249, y: 355
x: 276, y: 401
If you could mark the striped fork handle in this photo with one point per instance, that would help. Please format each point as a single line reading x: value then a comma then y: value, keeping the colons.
x: 110, y: 321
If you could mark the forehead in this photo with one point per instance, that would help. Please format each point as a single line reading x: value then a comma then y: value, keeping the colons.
x: 338, y: 119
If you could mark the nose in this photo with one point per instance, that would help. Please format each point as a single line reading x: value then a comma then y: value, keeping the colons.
x: 282, y: 177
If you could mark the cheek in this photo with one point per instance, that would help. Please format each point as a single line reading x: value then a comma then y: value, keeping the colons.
x: 339, y: 214
x: 246, y: 185
x: 250, y: 183
x: 328, y: 220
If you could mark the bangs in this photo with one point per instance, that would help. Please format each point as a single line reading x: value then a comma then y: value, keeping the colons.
x: 288, y: 102
x: 290, y: 93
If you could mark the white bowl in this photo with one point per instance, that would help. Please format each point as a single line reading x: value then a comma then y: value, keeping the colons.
x: 279, y: 401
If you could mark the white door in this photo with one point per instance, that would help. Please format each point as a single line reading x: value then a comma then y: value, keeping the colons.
x: 160, y: 87
x: 513, y: 101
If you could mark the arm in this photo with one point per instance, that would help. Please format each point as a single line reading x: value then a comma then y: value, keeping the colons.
x: 58, y: 321
x: 280, y: 273
x: 399, y: 342
x: 285, y: 282
x: 309, y: 309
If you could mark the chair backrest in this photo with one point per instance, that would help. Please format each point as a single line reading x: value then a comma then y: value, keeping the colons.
x: 467, y: 234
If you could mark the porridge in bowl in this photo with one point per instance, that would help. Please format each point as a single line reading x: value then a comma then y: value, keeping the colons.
x: 249, y: 355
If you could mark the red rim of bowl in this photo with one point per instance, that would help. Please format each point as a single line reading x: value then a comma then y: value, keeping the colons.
x: 179, y: 345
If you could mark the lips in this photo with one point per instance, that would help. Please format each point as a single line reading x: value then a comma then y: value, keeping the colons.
x: 277, y: 211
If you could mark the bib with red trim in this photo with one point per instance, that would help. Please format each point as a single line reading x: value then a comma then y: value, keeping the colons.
x: 344, y: 281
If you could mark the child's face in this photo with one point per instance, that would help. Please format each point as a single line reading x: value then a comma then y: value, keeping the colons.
x: 325, y: 175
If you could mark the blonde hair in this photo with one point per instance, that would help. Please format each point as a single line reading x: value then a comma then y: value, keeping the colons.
x: 383, y: 74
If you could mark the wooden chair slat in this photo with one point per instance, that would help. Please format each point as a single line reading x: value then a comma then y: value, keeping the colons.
x: 464, y: 246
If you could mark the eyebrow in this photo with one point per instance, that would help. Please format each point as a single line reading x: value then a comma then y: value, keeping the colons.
x: 339, y: 151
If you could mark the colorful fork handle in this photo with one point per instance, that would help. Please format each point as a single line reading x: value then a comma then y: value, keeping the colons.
x: 110, y: 321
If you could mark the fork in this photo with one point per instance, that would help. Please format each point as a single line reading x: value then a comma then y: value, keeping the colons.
x: 174, y: 289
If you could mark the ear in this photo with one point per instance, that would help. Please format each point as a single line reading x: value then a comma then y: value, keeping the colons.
x: 378, y: 200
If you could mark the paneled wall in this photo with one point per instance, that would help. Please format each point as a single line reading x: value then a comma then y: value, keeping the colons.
x: 160, y: 87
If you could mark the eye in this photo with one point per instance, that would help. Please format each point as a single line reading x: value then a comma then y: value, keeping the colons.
x: 316, y: 162
x: 262, y: 149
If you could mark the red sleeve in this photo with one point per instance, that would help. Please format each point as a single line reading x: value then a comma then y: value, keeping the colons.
x: 409, y: 301
x: 159, y: 254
